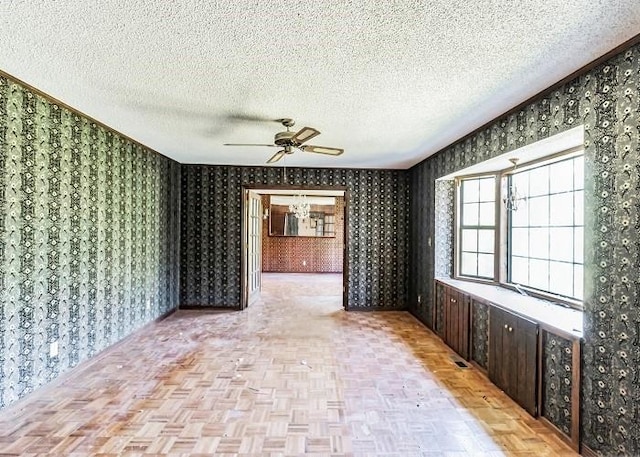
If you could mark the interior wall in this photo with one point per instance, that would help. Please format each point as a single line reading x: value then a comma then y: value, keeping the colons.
x: 88, y: 239
x: 606, y: 100
x: 210, y: 257
x: 293, y: 254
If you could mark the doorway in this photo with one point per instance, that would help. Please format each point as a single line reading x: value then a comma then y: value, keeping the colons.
x: 313, y: 242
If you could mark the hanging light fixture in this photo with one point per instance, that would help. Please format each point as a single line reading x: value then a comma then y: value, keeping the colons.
x: 513, y: 199
x: 300, y: 207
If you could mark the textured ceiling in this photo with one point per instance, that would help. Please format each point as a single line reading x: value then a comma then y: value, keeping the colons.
x: 390, y: 82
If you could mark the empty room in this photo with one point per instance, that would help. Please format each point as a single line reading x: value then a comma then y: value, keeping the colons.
x: 243, y: 228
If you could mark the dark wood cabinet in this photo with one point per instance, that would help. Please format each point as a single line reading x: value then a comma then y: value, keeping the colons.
x: 513, y: 355
x: 451, y: 317
x: 438, y: 310
x: 456, y: 322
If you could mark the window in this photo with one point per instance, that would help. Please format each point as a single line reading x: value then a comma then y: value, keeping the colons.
x: 477, y: 227
x: 546, y: 234
x: 539, y: 245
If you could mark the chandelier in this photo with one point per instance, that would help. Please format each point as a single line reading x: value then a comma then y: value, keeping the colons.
x: 300, y: 207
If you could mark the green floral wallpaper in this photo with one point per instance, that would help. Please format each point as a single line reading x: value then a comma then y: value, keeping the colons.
x: 606, y: 101
x: 88, y: 238
x: 210, y: 255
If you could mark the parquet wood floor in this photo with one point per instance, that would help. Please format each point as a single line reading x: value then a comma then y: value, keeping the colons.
x: 292, y: 375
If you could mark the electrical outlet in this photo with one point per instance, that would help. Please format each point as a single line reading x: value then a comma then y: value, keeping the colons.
x: 304, y: 263
x: 419, y: 298
x: 429, y: 241
x: 53, y: 349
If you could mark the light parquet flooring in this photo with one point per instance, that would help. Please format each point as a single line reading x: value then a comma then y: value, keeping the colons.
x: 292, y: 375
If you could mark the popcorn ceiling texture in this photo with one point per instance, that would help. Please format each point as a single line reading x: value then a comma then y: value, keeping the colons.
x: 391, y: 82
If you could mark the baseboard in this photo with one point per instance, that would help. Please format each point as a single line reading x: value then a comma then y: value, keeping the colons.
x: 574, y: 444
x: 208, y: 308
x: 586, y: 451
x: 375, y: 308
x: 85, y: 364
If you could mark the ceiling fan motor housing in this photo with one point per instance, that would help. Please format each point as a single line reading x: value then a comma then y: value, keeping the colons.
x: 284, y: 138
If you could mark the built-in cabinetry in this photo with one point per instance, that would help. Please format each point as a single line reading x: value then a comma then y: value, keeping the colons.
x: 455, y: 330
x: 526, y: 346
x: 513, y: 360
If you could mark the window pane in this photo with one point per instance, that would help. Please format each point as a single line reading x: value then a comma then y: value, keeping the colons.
x: 487, y: 190
x: 521, y: 182
x: 546, y: 239
x: 561, y: 209
x: 578, y: 280
x: 485, y: 265
x: 561, y: 278
x: 561, y: 176
x: 478, y: 210
x: 539, y: 211
x: 470, y: 191
x: 539, y: 181
x: 578, y: 244
x: 520, y: 218
x: 539, y: 243
x: 469, y: 264
x: 578, y: 210
x: 520, y: 242
x: 488, y: 213
x: 470, y: 214
x: 539, y: 274
x: 470, y: 240
x: 486, y: 241
x: 561, y: 243
x: 520, y: 270
x: 578, y: 164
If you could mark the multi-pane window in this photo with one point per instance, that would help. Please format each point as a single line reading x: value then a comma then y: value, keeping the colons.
x: 539, y: 243
x: 477, y: 227
x: 546, y: 233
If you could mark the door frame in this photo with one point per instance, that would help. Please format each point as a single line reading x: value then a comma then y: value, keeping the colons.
x: 244, y: 211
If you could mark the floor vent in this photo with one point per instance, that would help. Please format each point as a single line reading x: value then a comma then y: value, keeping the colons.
x: 461, y: 364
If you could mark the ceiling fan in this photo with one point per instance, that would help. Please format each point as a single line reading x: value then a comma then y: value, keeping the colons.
x: 289, y: 141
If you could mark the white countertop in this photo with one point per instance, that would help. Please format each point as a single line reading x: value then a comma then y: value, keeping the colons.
x: 546, y: 313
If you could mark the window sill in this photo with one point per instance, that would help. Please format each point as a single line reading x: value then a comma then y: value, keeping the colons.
x: 552, y: 316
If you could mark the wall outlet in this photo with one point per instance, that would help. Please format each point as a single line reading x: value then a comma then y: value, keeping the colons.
x: 304, y: 263
x: 419, y: 298
x: 53, y: 349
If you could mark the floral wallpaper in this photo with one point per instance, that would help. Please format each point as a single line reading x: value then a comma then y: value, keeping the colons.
x: 606, y: 101
x: 480, y: 333
x: 210, y: 257
x: 88, y: 238
x: 556, y: 385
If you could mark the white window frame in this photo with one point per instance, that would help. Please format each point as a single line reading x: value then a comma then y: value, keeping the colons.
x: 501, y: 254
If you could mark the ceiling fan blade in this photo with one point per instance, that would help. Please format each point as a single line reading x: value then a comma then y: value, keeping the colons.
x: 322, y: 150
x: 304, y: 134
x: 251, y: 144
x: 240, y: 116
x: 277, y: 156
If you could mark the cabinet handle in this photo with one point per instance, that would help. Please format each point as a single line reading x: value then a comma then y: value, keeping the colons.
x: 511, y: 329
x: 506, y: 326
x: 453, y: 300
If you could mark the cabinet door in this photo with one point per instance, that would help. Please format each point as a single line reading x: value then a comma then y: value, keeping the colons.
x: 456, y: 322
x: 525, y: 336
x: 513, y: 352
x: 438, y: 316
x: 499, y: 348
